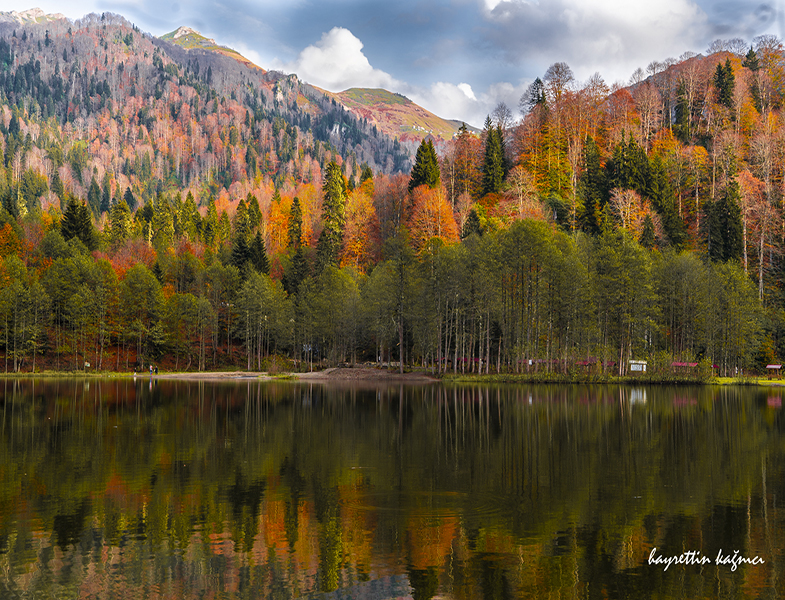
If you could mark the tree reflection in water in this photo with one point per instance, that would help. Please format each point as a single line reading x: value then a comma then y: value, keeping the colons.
x: 249, y: 490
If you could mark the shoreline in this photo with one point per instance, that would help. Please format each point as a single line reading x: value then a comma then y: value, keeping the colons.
x: 334, y: 374
x: 373, y: 375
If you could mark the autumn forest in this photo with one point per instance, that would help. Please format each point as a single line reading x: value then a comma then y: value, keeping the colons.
x: 182, y: 208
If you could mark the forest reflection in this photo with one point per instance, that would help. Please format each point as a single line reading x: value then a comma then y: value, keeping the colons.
x: 243, y: 489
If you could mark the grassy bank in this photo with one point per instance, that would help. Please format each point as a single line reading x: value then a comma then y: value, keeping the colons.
x: 561, y: 378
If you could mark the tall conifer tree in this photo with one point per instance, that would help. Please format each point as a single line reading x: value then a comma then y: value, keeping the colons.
x: 333, y: 215
x: 493, y: 170
x: 426, y: 167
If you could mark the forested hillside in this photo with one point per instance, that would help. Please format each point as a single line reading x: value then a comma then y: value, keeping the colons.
x: 177, y: 205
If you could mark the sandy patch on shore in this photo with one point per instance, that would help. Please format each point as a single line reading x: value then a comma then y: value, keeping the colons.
x: 364, y: 374
x: 335, y: 374
x: 210, y: 375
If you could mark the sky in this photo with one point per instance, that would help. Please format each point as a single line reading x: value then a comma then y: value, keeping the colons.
x: 456, y: 58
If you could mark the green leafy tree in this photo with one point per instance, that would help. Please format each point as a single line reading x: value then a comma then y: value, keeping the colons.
x: 142, y: 302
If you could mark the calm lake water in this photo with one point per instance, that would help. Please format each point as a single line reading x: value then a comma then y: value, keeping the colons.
x: 123, y: 489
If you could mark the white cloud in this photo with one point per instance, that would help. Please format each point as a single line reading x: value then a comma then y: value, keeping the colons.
x: 610, y: 36
x: 337, y: 63
x: 461, y: 102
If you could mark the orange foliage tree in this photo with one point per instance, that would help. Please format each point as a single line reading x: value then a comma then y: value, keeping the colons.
x: 9, y: 241
x: 361, y: 232
x: 431, y: 217
x: 278, y: 225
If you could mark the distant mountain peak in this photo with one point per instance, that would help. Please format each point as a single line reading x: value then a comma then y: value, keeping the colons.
x: 188, y: 38
x: 29, y: 16
x: 184, y: 31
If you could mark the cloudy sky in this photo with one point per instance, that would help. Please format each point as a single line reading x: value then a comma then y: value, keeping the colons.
x: 457, y: 58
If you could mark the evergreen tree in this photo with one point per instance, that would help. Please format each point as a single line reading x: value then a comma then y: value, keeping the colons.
x: 241, y: 253
x: 724, y: 225
x: 241, y: 220
x: 751, y: 61
x: 128, y: 196
x: 57, y: 187
x: 258, y: 255
x: 648, y: 239
x: 592, y: 188
x: 661, y: 194
x: 682, y: 127
x: 724, y: 82
x: 78, y: 223
x: 94, y: 197
x: 295, y: 231
x: 472, y: 226
x: 366, y: 174
x: 426, y: 167
x: 333, y: 216
x: 493, y: 169
x: 106, y: 194
x: 296, y: 273
x: 534, y: 97
x: 629, y: 167
x: 753, y: 64
x: 254, y: 212
x: 119, y: 223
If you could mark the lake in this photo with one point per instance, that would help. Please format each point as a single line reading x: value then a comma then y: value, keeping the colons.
x: 121, y: 488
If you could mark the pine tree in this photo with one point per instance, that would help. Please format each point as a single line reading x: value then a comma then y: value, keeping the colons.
x: 753, y: 64
x: 724, y: 83
x: 106, y: 194
x: 534, y: 97
x: 682, y: 127
x: 254, y: 212
x: 366, y: 174
x: 333, y: 216
x: 297, y: 272
x: 493, y: 169
x: 724, y: 225
x: 258, y: 255
x: 592, y: 188
x: 94, y: 197
x: 751, y: 61
x: 426, y: 167
x: 241, y: 253
x: 128, y: 196
x: 119, y: 223
x: 629, y: 167
x: 295, y: 232
x: 241, y: 220
x: 78, y: 223
x: 648, y: 239
x: 472, y: 226
x: 661, y: 194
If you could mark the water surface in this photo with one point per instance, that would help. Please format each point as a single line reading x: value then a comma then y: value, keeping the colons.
x: 170, y: 489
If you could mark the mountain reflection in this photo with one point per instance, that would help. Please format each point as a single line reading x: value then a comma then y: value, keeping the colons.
x: 244, y: 489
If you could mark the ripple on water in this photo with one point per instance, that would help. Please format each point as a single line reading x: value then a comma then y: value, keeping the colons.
x: 423, y: 503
